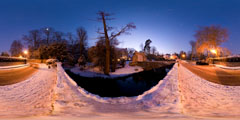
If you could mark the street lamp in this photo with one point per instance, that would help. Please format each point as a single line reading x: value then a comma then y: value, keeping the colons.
x: 25, y: 52
x: 183, y: 55
x: 214, y: 51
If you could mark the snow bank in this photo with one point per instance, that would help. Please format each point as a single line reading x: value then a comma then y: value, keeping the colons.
x: 203, y: 98
x: 30, y: 97
x: 14, y: 66
x: 64, y: 82
x: 160, y: 102
x: 230, y: 68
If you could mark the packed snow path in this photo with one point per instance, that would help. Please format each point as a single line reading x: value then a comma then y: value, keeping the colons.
x: 30, y: 97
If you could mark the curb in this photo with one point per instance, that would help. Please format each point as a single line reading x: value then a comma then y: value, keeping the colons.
x: 229, y: 68
x: 14, y: 66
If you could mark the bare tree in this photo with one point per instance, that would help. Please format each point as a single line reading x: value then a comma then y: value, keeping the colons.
x: 70, y: 38
x: 104, y: 17
x: 193, y: 45
x: 147, y: 47
x: 141, y: 47
x: 48, y: 33
x: 33, y: 39
x: 130, y: 52
x: 82, y: 38
x: 5, y: 54
x: 16, y: 48
x: 210, y: 37
x: 58, y: 37
x: 154, y: 50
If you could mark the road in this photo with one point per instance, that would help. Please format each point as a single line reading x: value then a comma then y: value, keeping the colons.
x: 11, y: 76
x: 215, y: 74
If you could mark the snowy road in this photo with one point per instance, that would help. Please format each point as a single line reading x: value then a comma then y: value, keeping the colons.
x: 200, y: 97
x: 31, y: 97
x: 15, y: 75
x: 215, y: 74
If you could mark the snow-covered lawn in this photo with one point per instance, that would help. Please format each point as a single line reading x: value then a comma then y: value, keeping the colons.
x: 30, y: 97
x: 91, y: 72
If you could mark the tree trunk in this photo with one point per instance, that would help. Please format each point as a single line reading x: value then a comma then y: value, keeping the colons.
x: 107, y: 64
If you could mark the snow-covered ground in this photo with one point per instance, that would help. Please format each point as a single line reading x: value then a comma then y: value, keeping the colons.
x: 230, y: 68
x: 200, y: 97
x: 159, y: 102
x: 180, y: 95
x: 127, y: 70
x: 30, y: 97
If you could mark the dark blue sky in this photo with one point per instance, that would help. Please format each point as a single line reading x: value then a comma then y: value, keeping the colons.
x: 170, y: 24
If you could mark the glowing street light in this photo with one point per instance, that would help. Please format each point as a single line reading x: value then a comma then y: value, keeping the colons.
x: 183, y: 55
x: 213, y: 51
x: 25, y: 52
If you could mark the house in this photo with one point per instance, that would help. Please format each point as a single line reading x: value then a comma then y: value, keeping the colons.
x: 139, y: 57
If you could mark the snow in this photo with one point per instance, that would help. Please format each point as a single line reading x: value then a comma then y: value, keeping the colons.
x: 200, y: 97
x: 180, y: 95
x: 162, y: 101
x: 14, y: 66
x: 230, y: 68
x: 127, y: 70
x: 31, y: 97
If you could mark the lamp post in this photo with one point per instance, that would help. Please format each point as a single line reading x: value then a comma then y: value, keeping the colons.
x: 183, y: 56
x: 25, y: 52
x: 214, y: 51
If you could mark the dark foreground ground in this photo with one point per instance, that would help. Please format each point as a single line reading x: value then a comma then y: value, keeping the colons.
x: 215, y: 74
x: 11, y: 76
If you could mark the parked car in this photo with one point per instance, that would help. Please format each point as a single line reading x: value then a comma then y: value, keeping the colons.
x: 202, y: 62
x: 51, y: 62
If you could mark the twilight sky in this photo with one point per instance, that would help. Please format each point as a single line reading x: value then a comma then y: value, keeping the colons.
x: 170, y: 24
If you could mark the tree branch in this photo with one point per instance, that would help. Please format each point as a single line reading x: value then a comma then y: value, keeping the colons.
x: 123, y: 30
